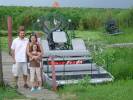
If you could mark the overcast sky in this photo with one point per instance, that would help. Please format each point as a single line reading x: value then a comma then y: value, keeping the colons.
x: 71, y: 3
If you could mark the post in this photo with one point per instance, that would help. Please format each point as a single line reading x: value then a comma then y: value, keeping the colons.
x: 54, y: 85
x: 9, y: 23
x: 1, y: 70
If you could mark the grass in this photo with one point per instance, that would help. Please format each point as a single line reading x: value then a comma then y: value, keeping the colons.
x: 7, y: 93
x: 114, y: 91
x: 121, y: 66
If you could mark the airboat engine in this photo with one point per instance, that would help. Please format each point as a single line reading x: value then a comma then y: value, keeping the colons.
x: 60, y: 40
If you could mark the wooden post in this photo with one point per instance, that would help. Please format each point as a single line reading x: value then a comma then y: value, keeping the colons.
x: 9, y: 23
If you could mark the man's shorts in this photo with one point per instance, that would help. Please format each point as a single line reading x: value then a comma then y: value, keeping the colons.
x: 20, y: 68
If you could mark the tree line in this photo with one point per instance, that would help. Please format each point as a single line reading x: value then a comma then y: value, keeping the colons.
x: 82, y: 18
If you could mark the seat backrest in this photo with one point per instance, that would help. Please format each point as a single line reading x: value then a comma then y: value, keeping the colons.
x: 78, y: 44
x: 59, y: 37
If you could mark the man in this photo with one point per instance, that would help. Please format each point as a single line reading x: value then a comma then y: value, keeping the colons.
x: 18, y: 48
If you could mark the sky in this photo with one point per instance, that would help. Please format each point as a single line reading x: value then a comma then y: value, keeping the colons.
x: 71, y: 3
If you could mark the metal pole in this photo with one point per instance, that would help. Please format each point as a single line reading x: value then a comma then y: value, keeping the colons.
x: 53, y: 74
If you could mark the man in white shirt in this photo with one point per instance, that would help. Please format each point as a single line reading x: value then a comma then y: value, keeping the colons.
x: 18, y: 48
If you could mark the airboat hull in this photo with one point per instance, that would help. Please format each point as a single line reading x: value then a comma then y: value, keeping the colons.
x: 72, y: 66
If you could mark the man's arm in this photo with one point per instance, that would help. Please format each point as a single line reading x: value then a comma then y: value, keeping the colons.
x: 13, y: 55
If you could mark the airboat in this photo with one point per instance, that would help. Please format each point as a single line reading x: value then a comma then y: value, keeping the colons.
x: 72, y: 59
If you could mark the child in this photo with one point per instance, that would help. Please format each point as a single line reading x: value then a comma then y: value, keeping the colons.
x: 35, y: 67
x: 35, y: 52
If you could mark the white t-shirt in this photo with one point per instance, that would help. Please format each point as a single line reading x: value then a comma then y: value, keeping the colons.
x: 19, y: 45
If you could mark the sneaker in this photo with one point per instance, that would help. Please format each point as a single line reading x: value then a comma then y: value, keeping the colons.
x: 32, y: 89
x: 26, y: 86
x: 39, y: 88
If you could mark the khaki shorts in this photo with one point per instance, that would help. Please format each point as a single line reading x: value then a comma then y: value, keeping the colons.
x: 20, y: 68
x: 35, y: 71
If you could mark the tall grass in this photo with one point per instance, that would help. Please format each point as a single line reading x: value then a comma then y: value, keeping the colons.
x: 113, y: 91
x: 122, y: 65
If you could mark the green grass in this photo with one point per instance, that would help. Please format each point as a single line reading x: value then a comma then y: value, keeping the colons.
x: 9, y: 94
x: 120, y: 90
x: 121, y: 66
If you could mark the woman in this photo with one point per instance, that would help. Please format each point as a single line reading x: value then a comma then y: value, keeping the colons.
x: 35, y: 61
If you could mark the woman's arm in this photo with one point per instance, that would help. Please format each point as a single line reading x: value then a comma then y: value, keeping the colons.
x: 13, y: 55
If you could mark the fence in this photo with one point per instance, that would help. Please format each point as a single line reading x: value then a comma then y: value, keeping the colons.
x: 1, y: 70
x: 6, y: 60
